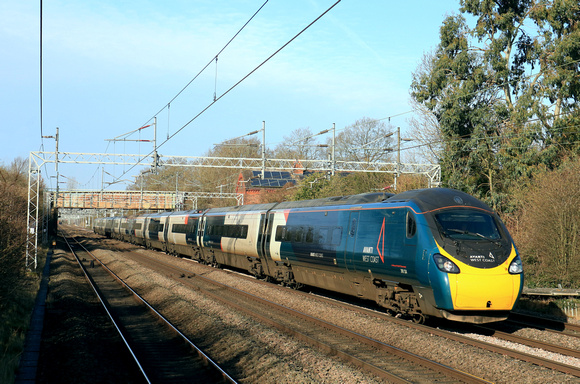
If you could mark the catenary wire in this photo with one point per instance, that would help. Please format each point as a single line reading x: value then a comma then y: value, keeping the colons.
x: 214, y: 58
x: 233, y: 86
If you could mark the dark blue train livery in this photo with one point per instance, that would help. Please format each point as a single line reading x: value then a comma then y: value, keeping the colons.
x: 430, y: 252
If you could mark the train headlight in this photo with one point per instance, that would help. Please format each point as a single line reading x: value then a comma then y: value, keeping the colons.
x: 444, y: 264
x: 516, y: 266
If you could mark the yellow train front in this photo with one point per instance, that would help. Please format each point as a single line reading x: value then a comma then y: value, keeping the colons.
x: 471, y: 265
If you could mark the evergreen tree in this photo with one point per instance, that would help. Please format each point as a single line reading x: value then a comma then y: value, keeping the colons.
x: 504, y: 94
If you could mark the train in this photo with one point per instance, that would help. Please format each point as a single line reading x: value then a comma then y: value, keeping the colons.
x: 426, y: 253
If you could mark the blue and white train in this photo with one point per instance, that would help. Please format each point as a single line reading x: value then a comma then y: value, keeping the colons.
x: 431, y: 252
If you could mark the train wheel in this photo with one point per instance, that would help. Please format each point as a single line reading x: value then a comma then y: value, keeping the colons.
x: 418, y: 318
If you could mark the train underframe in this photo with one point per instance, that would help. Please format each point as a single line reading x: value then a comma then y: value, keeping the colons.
x: 399, y: 300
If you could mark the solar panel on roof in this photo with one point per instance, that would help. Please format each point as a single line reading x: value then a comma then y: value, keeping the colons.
x: 274, y: 175
x: 277, y: 183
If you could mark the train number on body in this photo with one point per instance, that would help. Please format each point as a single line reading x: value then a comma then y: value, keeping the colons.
x: 369, y: 258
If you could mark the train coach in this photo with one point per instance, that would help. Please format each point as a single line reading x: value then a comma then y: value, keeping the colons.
x: 432, y: 252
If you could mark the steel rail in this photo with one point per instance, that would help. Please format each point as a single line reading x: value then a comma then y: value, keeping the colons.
x: 547, y: 363
x: 427, y: 363
x: 200, y: 353
x: 106, y: 307
x: 543, y: 323
x: 527, y: 341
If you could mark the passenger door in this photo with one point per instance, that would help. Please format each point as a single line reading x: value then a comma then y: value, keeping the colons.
x: 349, y: 248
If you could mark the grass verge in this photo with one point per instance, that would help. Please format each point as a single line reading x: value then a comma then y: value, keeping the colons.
x: 15, y: 316
x: 560, y: 308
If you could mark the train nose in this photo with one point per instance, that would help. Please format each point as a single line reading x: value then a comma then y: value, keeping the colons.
x: 472, y: 291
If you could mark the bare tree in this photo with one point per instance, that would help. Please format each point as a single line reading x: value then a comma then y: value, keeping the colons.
x: 366, y: 140
x: 425, y: 128
x: 425, y: 131
x: 548, y: 230
x: 222, y: 179
x: 300, y: 145
x: 13, y: 203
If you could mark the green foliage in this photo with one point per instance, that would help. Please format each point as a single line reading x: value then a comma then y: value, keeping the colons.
x: 318, y: 186
x: 312, y: 187
x: 504, y: 93
x: 499, y: 124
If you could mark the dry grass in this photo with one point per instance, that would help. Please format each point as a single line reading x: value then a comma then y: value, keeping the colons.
x: 14, y: 322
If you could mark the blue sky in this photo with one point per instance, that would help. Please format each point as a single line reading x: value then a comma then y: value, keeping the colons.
x: 109, y: 66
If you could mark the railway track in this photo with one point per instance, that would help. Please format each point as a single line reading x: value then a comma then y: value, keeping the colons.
x: 170, y: 269
x: 483, y: 330
x: 532, y: 343
x: 545, y: 324
x: 160, y: 350
x: 541, y: 361
x: 492, y: 331
x: 382, y: 360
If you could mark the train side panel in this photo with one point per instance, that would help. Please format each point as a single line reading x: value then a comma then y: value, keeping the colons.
x: 155, y: 231
x: 311, y: 242
x: 436, y: 252
x: 182, y: 229
x: 231, y: 238
x: 138, y: 232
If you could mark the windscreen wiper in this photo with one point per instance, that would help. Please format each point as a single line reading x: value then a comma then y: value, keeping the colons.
x: 464, y: 232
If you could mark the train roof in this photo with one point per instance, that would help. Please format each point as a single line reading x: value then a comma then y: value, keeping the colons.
x: 428, y: 199
x: 435, y: 198
x: 363, y: 198
x: 425, y: 199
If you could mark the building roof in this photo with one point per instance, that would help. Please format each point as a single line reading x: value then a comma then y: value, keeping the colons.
x: 272, y: 179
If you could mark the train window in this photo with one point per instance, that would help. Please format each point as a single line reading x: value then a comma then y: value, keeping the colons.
x: 307, y: 234
x: 411, y: 225
x: 310, y: 235
x: 179, y: 228
x: 191, y: 225
x: 352, y: 228
x: 155, y: 226
x: 323, y: 235
x: 336, y: 235
x: 298, y: 235
x: 467, y: 225
x: 289, y: 233
x: 280, y: 232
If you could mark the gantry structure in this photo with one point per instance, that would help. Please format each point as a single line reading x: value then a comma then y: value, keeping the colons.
x: 155, y: 200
